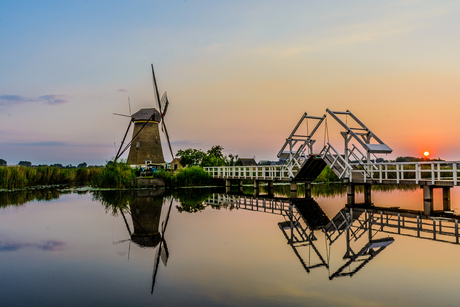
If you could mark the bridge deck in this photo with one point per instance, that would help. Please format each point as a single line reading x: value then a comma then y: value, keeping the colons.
x: 437, y: 173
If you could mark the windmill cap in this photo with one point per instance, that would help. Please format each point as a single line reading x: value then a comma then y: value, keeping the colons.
x: 146, y: 114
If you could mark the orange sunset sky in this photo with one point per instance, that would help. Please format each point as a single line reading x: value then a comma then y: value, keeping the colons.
x: 238, y: 73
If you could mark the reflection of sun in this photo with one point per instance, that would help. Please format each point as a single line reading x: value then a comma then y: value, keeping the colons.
x: 426, y: 153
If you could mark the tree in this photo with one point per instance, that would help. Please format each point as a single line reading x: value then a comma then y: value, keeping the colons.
x: 216, y: 151
x: 214, y: 157
x: 190, y: 156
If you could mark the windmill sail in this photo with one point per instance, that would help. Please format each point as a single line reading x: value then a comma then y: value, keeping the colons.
x: 161, y: 111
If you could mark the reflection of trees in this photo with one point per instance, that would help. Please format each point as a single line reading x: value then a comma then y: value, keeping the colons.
x: 20, y: 197
x: 114, y: 200
x: 192, y: 200
x: 333, y: 189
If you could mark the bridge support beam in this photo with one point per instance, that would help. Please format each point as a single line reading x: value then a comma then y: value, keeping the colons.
x: 446, y: 205
x: 271, y: 190
x: 293, y: 190
x: 307, y: 189
x: 427, y: 199
x: 256, y: 187
x: 240, y: 186
x: 351, y: 194
x: 367, y: 194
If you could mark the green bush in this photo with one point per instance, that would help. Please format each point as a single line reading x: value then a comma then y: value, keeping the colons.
x: 192, y: 176
x: 327, y: 175
x: 115, y: 175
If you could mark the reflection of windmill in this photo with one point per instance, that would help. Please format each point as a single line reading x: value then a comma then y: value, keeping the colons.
x: 145, y: 212
x: 145, y: 145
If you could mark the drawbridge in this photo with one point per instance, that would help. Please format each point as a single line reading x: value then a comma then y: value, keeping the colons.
x: 357, y: 163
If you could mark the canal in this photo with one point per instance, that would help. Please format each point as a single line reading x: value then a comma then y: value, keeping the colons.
x: 79, y: 247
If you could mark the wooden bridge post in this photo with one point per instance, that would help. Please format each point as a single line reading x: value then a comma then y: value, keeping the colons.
x: 240, y: 186
x: 446, y: 205
x: 293, y: 190
x: 367, y: 194
x: 256, y: 187
x: 427, y: 199
x: 227, y: 185
x: 307, y: 189
x: 351, y: 194
x: 271, y: 190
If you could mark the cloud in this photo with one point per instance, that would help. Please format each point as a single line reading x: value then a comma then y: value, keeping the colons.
x: 9, y: 100
x: 48, y: 245
x: 122, y: 90
x: 40, y: 144
x: 53, y: 99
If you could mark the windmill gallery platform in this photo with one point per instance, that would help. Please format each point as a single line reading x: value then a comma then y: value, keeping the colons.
x: 356, y: 164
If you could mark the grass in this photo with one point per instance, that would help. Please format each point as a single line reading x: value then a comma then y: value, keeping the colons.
x: 185, y: 177
x: 117, y: 175
x: 17, y: 177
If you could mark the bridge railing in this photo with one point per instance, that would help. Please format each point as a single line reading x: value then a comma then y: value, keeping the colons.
x: 260, y: 172
x: 432, y: 171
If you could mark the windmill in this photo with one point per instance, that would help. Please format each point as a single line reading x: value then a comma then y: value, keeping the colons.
x: 145, y: 145
x: 147, y: 232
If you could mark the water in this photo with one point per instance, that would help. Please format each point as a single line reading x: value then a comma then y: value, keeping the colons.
x: 75, y: 249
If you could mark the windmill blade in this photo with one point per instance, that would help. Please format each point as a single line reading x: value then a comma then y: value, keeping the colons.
x: 121, y: 145
x: 164, y: 254
x: 121, y: 115
x: 167, y: 137
x: 155, y: 87
x: 165, y: 103
x: 129, y: 103
x: 157, y: 258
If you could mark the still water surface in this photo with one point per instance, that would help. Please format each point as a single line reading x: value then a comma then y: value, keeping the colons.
x: 86, y: 248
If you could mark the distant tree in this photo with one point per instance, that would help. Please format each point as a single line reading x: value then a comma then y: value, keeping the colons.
x: 3, y: 162
x: 190, y: 156
x: 81, y: 165
x: 215, y: 157
x: 232, y: 160
x: 25, y: 163
x: 216, y: 151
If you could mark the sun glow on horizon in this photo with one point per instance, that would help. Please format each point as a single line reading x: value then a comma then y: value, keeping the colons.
x: 426, y: 153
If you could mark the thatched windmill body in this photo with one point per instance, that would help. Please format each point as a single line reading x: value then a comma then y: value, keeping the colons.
x: 145, y: 145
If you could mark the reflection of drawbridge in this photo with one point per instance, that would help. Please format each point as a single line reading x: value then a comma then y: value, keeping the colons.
x: 299, y: 235
x: 302, y: 217
x: 145, y: 212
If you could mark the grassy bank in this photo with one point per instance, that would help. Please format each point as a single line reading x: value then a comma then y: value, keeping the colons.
x: 186, y: 177
x: 117, y: 175
x: 18, y: 177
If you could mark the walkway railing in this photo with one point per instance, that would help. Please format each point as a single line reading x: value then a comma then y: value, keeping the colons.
x: 431, y: 173
x: 260, y: 172
x: 416, y: 172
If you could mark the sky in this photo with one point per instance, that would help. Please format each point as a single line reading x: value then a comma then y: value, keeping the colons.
x: 239, y: 74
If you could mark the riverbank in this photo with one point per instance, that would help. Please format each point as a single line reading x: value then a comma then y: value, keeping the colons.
x: 117, y: 175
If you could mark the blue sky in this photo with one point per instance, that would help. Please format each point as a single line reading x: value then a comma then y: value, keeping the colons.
x: 238, y: 73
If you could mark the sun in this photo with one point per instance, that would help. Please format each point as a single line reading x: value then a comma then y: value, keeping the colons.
x: 426, y: 153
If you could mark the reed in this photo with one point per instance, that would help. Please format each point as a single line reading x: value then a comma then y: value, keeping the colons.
x: 117, y: 175
x: 17, y: 177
